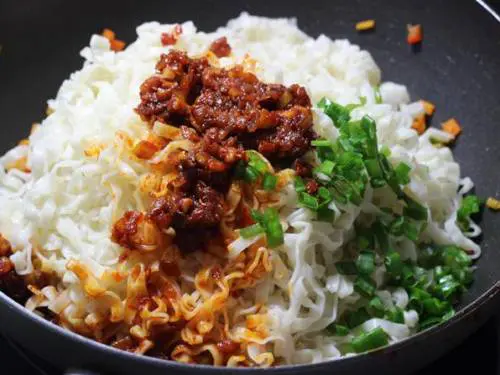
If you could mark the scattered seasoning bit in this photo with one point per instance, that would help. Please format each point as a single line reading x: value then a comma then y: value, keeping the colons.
x: 168, y: 39
x: 452, y: 127
x: 414, y: 34
x: 115, y: 44
x: 493, y: 204
x: 220, y: 47
x: 429, y: 107
x: 145, y: 150
x: 419, y: 124
x: 108, y: 34
x: 365, y: 25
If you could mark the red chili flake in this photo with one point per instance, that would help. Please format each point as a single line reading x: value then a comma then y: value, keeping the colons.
x: 168, y: 39
x: 220, y: 47
x: 216, y: 273
x: 312, y: 186
x: 414, y: 34
x: 228, y: 346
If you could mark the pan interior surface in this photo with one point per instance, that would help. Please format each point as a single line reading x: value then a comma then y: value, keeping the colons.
x: 456, y: 67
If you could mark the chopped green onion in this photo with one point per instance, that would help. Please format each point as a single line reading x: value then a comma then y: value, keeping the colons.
x: 300, y: 186
x: 274, y: 230
x: 256, y: 161
x: 396, y: 315
x: 364, y: 286
x: 346, y: 268
x: 470, y: 205
x: 454, y: 257
x: 307, y: 200
x: 404, y: 226
x: 326, y: 168
x: 435, y: 307
x: 355, y: 318
x: 407, y: 275
x: 350, y: 166
x: 325, y: 195
x: 402, y: 172
x: 417, y: 297
x: 365, y: 263
x: 271, y: 224
x: 414, y: 210
x: 390, y: 175
x: 463, y: 276
x: 321, y: 143
x: 376, y: 307
x: 368, y: 125
x: 364, y: 242
x: 448, y: 286
x: 338, y: 329
x: 373, y: 339
x: 257, y: 217
x: 429, y: 322
x: 251, y: 231
x: 397, y: 226
x: 346, y: 189
x: 421, y: 277
x: 269, y: 181
x: 448, y: 315
x: 440, y: 271
x: 375, y: 172
x: 365, y: 238
x: 324, y: 149
x: 393, y: 263
x: 428, y: 257
x: 339, y: 114
x: 411, y: 231
x: 325, y: 214
x: 386, y: 151
x: 362, y: 102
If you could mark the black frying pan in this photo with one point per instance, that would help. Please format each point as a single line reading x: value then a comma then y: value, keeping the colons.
x: 458, y: 68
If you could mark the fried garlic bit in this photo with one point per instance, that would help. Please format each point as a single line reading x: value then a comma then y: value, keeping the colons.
x: 493, y: 204
x: 365, y: 25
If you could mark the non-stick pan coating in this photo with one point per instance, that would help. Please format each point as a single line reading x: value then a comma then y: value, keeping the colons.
x: 457, y: 68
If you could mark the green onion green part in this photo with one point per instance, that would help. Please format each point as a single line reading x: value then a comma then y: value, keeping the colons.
x: 251, y: 231
x: 269, y: 181
x: 373, y: 339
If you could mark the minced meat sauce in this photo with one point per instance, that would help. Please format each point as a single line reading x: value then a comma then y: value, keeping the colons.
x: 10, y: 282
x: 223, y: 112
